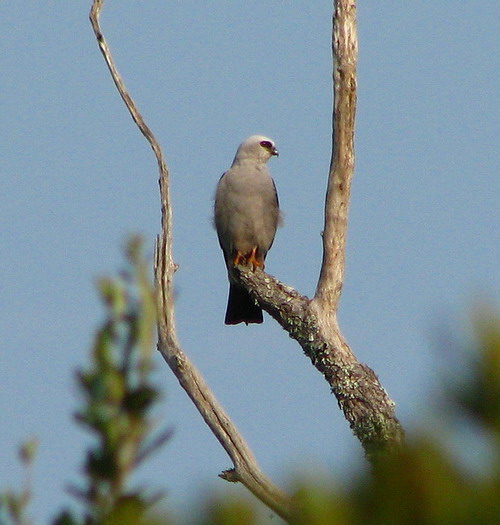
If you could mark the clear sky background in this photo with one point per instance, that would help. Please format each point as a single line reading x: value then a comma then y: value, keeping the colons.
x: 76, y: 178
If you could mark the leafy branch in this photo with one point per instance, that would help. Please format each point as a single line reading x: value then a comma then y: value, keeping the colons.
x: 118, y: 396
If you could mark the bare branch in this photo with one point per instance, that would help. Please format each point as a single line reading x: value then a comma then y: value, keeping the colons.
x: 95, y: 13
x: 363, y: 400
x: 246, y: 470
x: 345, y: 52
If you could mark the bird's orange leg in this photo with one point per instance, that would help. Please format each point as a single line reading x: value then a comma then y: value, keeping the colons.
x: 239, y: 259
x: 252, y: 259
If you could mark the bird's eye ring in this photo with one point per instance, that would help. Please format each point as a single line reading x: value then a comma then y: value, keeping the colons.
x: 266, y: 144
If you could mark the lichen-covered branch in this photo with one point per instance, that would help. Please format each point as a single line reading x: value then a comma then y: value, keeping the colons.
x: 313, y: 323
x: 360, y: 395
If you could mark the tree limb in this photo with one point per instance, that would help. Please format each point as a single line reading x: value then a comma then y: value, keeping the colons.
x: 345, y: 54
x: 246, y: 470
x: 313, y: 323
x: 361, y: 397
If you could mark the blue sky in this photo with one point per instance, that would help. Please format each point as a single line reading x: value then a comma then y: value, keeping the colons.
x: 76, y: 177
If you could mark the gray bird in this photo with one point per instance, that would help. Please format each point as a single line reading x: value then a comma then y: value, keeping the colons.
x: 246, y: 216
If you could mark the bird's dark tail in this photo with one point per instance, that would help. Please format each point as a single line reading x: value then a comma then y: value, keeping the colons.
x: 241, y: 307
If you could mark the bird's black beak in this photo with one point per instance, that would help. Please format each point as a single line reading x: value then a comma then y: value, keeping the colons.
x: 275, y: 152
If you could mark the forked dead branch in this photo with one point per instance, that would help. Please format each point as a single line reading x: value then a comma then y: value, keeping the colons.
x: 311, y: 322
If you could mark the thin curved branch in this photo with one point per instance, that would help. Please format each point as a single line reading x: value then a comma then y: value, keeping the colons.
x: 246, y: 470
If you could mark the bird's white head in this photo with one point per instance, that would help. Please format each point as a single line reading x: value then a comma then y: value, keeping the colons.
x: 256, y: 148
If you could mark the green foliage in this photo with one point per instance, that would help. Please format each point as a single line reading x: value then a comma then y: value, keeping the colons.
x: 423, y: 483
x: 479, y: 397
x: 228, y: 511
x: 14, y: 505
x: 118, y: 398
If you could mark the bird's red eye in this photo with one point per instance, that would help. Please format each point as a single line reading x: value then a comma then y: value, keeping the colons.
x: 266, y: 144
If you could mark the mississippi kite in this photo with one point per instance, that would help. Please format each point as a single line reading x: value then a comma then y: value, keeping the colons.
x: 246, y: 216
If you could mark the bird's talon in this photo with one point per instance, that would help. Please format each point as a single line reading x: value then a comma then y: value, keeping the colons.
x: 239, y: 259
x: 253, y: 260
